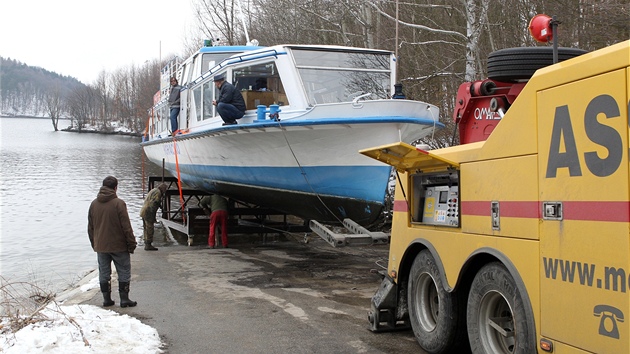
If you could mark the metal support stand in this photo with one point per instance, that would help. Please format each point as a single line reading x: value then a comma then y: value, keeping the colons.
x: 358, y: 236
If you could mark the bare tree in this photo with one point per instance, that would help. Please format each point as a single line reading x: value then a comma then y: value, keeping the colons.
x: 102, y: 87
x: 218, y: 20
x: 82, y: 106
x: 148, y: 87
x: 54, y: 106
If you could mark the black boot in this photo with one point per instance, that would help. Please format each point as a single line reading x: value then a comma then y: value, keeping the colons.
x: 123, y: 291
x: 106, y: 289
x: 149, y: 247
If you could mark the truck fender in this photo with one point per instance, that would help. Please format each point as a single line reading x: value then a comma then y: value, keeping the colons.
x: 520, y: 284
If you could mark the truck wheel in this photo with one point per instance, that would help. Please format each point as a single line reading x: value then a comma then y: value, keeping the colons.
x: 497, y: 321
x: 517, y: 64
x: 433, y: 312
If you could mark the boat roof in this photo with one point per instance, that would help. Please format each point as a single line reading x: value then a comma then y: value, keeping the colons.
x: 334, y: 48
x: 228, y: 48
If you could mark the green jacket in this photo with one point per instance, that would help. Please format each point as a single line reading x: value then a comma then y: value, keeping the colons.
x: 151, y: 204
x: 214, y: 202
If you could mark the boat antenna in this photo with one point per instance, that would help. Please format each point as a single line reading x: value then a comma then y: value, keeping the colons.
x: 396, y: 49
x: 240, y: 10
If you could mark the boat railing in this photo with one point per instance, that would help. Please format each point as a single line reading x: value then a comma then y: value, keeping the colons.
x: 238, y: 58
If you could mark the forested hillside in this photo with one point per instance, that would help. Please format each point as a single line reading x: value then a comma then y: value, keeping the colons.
x: 123, y: 96
x: 25, y: 89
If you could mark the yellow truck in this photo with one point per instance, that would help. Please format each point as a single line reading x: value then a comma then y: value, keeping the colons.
x: 518, y: 240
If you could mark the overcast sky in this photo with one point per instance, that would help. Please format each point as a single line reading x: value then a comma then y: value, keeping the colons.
x: 80, y: 38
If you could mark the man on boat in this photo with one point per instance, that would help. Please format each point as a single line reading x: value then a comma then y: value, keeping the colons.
x: 151, y: 205
x: 230, y: 104
x: 173, y: 102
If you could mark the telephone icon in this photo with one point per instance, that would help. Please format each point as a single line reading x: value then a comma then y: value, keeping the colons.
x: 609, y: 318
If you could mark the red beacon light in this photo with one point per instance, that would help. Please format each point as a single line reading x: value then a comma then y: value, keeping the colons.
x: 540, y: 28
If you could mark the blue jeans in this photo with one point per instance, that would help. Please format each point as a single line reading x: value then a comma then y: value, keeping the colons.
x: 122, y: 261
x: 174, y: 114
x: 228, y: 112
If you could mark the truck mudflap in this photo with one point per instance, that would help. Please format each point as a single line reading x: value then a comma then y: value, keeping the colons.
x: 384, y: 315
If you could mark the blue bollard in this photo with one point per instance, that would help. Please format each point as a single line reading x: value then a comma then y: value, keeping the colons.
x: 274, y: 112
x: 260, y: 113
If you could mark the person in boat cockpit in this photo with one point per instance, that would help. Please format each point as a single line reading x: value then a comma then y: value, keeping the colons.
x: 173, y: 102
x: 230, y: 104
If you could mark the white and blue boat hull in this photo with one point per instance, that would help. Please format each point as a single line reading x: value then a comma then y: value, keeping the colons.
x: 306, y: 167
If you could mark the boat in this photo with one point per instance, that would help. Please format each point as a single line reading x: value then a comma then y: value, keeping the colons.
x: 310, y: 109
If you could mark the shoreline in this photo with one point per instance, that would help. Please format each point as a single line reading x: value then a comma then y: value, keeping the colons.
x: 80, y: 291
x: 72, y: 130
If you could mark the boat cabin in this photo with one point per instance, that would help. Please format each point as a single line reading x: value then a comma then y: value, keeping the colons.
x: 293, y: 77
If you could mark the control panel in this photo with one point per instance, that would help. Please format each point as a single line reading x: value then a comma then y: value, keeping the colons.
x: 441, y: 206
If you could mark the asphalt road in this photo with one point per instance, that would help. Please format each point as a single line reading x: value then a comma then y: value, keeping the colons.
x: 281, y: 296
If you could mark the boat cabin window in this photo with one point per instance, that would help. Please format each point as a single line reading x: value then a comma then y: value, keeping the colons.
x: 187, y: 75
x: 159, y: 119
x: 260, y: 84
x: 209, y: 60
x: 197, y: 101
x: 341, y: 76
x: 208, y: 88
x: 202, y: 100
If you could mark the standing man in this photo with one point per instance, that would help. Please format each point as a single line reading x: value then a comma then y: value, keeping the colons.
x: 111, y: 236
x: 150, y: 207
x: 230, y: 104
x: 173, y: 102
x: 217, y: 207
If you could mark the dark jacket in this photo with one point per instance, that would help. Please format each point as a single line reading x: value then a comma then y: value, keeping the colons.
x: 229, y: 94
x: 109, y: 228
x: 173, y: 98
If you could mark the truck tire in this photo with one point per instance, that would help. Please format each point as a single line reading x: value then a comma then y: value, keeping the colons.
x: 496, y: 314
x: 437, y: 321
x: 518, y: 64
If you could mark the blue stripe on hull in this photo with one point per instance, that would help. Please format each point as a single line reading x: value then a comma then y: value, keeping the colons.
x: 358, y: 182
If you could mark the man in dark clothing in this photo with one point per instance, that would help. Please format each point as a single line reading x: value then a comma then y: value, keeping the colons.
x: 230, y: 104
x: 152, y: 203
x: 173, y: 102
x: 217, y: 208
x: 111, y: 236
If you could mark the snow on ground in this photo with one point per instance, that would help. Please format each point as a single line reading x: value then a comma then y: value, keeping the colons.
x: 80, y: 329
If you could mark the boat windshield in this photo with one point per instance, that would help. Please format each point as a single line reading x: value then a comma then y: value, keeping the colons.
x: 341, y: 76
x: 209, y: 60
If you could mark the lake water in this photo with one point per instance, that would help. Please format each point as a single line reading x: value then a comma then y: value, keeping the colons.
x: 47, y: 181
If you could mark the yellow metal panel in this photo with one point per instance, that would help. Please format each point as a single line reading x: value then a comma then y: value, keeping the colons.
x: 584, y: 279
x: 512, y: 182
x: 583, y: 163
x: 405, y: 157
x: 613, y: 58
x: 516, y: 133
x: 582, y: 139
